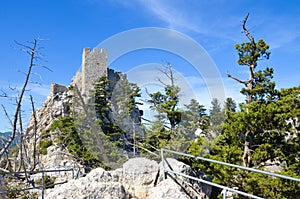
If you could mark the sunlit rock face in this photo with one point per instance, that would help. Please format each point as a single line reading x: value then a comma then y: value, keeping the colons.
x: 139, y: 178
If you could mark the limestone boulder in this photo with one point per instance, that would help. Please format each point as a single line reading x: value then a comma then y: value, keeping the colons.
x: 97, y: 184
x: 193, y: 188
x: 139, y: 175
x: 167, y: 189
x: 139, y: 178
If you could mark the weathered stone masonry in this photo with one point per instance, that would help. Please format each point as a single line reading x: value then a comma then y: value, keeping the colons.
x: 94, y: 65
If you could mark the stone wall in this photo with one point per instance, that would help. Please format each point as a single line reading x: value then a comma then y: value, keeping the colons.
x: 56, y: 88
x: 94, y: 65
x: 77, y: 80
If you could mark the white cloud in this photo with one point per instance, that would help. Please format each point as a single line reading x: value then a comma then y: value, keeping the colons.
x: 223, y: 20
x: 173, y: 16
x: 200, y: 17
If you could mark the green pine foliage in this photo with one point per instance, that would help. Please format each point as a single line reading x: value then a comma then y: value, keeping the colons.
x: 122, y: 99
x: 102, y: 105
x: 70, y: 138
x: 273, y: 139
x: 167, y: 104
x: 44, y: 144
x: 194, y: 116
x: 170, y: 129
x: 216, y: 119
x: 157, y: 136
x: 263, y: 133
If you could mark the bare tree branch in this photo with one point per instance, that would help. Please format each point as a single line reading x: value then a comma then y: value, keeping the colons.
x: 163, y: 83
x: 6, y: 114
x: 34, y: 132
x: 246, y: 30
x: 20, y: 98
x: 47, y: 68
x: 21, y: 141
x: 236, y: 79
x: 25, y: 46
x: 3, y: 94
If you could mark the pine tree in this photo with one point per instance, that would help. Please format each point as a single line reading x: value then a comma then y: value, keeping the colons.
x: 168, y: 131
x: 249, y: 54
x: 230, y: 105
x: 194, y: 116
x: 166, y: 103
x: 216, y: 119
x: 263, y: 133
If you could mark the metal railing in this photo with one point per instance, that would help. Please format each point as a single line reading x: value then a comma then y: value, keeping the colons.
x: 224, y: 188
x: 43, y: 186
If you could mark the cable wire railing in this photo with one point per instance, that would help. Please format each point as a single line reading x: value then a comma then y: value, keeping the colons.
x: 224, y: 188
x: 43, y: 186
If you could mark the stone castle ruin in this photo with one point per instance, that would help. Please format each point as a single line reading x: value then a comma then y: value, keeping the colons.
x: 94, y: 65
x: 65, y: 101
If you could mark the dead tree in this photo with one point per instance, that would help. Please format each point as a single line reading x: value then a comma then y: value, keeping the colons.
x: 32, y: 51
x: 34, y: 135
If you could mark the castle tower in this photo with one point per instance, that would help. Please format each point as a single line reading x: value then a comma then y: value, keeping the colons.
x: 94, y: 65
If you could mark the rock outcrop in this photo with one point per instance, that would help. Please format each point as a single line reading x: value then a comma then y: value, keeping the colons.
x: 76, y: 100
x: 2, y: 187
x: 140, y: 178
x: 56, y: 105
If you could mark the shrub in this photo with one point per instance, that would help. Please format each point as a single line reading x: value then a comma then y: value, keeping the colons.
x: 44, y: 144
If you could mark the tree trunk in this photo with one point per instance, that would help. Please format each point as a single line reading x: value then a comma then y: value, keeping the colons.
x: 31, y: 51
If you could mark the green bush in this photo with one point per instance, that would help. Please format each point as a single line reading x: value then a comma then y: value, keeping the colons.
x: 70, y: 138
x: 21, y: 194
x: 14, y: 151
x: 48, y: 181
x: 44, y: 144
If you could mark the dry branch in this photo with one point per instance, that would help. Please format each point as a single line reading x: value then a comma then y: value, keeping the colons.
x: 31, y: 50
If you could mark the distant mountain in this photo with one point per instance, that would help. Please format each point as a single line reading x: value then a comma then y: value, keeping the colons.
x: 4, y: 137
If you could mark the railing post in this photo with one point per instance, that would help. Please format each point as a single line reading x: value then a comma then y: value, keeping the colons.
x: 163, y: 163
x: 73, y: 175
x: 43, y: 184
x: 224, y: 193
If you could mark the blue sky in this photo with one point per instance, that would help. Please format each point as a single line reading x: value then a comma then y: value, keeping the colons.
x: 70, y: 25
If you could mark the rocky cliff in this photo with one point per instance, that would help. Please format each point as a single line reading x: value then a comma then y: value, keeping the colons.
x: 56, y: 105
x: 78, y: 103
x: 139, y: 178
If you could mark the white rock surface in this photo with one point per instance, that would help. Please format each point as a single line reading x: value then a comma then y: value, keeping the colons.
x: 193, y: 188
x: 167, y: 189
x: 139, y: 175
x: 139, y: 178
x: 2, y: 187
x: 93, y: 185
